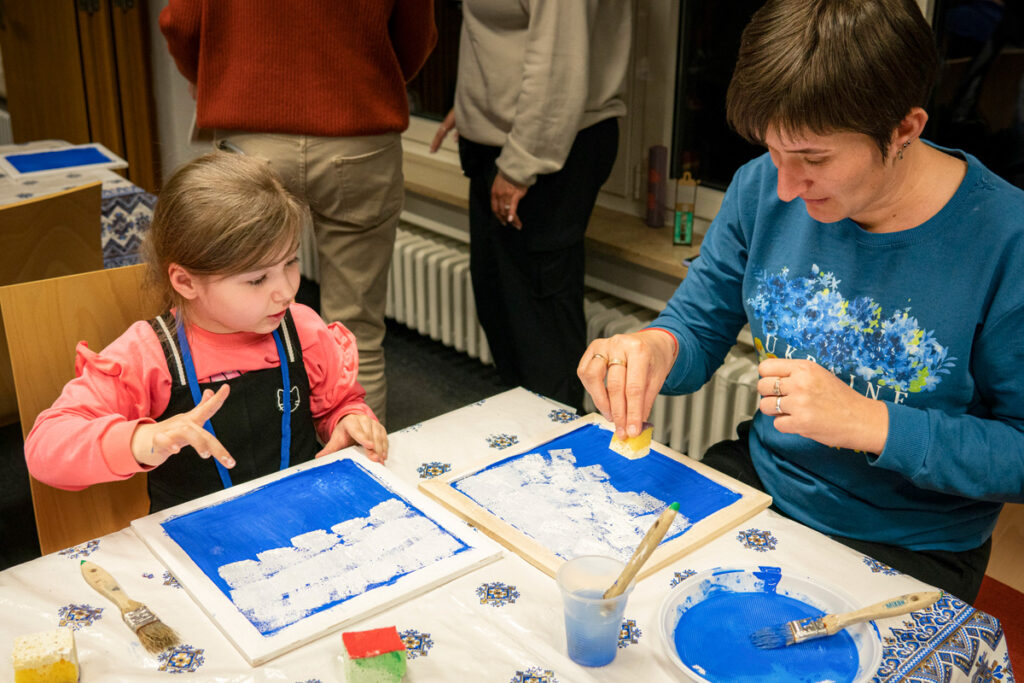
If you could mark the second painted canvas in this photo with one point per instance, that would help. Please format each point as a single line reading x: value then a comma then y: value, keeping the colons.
x: 572, y: 495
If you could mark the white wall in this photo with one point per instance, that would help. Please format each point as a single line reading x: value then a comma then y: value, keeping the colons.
x: 174, y: 106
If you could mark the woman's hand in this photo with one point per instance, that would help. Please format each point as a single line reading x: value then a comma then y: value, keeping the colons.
x: 152, y: 443
x: 360, y: 429
x: 806, y: 399
x: 446, y: 127
x: 505, y: 197
x: 624, y: 373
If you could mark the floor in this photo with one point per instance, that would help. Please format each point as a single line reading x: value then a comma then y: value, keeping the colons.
x: 425, y: 379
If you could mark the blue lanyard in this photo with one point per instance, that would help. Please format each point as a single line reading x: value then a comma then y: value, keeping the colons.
x: 286, y: 400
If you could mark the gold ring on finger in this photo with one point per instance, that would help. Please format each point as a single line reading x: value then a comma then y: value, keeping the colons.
x: 600, y: 356
x: 616, y: 361
x: 777, y: 389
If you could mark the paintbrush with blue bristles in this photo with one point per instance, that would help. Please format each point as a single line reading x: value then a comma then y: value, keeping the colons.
x: 801, y: 630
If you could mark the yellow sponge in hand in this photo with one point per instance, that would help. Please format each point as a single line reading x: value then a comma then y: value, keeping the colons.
x: 47, y: 657
x: 634, y: 447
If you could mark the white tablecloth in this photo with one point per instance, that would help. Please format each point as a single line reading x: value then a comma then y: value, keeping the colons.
x: 502, y: 622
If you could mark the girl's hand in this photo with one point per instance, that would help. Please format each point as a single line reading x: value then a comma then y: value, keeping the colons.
x: 152, y: 443
x: 808, y: 400
x: 360, y: 429
x: 624, y: 373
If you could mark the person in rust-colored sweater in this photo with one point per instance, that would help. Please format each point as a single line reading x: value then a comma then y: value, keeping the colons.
x: 318, y: 89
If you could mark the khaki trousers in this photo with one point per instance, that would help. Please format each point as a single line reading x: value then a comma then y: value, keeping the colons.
x: 355, y: 190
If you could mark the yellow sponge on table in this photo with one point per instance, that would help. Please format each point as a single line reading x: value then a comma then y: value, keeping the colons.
x: 47, y: 657
x: 634, y: 447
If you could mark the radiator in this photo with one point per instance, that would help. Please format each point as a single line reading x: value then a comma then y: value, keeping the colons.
x: 6, y: 136
x: 429, y: 291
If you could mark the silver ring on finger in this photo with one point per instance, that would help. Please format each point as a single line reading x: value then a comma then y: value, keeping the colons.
x: 778, y: 405
x: 777, y: 389
x: 616, y: 361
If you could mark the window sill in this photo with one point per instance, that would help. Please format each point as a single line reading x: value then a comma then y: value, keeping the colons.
x: 611, y: 234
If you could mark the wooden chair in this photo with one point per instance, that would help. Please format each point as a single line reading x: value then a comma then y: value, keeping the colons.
x: 1007, y: 561
x: 44, y: 321
x: 57, y: 234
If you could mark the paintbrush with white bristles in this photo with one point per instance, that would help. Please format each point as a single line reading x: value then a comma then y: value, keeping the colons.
x: 154, y: 635
x: 801, y: 630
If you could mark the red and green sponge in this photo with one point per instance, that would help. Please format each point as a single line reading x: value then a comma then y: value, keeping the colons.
x: 375, y: 656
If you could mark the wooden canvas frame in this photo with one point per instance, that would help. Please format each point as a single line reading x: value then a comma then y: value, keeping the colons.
x: 257, y: 648
x: 750, y: 502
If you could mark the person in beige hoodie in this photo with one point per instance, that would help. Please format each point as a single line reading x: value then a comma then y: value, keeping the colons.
x: 540, y: 88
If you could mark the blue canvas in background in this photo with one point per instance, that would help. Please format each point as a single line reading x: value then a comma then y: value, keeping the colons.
x: 49, y: 160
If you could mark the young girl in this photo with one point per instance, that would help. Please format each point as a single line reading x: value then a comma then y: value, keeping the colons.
x: 233, y: 351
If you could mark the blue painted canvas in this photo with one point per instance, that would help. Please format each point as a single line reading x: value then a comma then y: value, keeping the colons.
x: 576, y: 496
x: 309, y: 541
x: 49, y: 160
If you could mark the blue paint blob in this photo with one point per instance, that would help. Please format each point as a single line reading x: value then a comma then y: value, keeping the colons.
x: 770, y: 576
x: 713, y: 638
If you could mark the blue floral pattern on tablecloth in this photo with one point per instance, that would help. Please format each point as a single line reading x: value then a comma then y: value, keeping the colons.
x: 950, y: 635
x: 83, y: 550
x: 679, y: 577
x: 429, y: 470
x: 497, y: 594
x: 78, y: 616
x: 127, y: 213
x: 410, y: 429
x: 417, y: 644
x: 562, y: 415
x: 501, y: 441
x: 629, y: 633
x: 535, y: 674
x: 880, y: 567
x: 182, y: 659
x: 169, y: 580
x: 990, y: 672
x: 756, y: 539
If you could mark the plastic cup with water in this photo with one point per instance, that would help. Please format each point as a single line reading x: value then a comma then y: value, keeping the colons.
x: 592, y: 624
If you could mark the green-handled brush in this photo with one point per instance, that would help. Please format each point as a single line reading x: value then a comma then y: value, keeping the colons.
x: 798, y: 631
x: 154, y: 634
x: 643, y: 551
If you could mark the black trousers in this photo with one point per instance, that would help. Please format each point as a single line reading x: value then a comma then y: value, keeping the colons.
x: 957, y: 573
x: 528, y: 284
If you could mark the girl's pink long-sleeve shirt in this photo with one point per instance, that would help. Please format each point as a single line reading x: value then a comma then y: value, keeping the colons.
x: 84, y: 438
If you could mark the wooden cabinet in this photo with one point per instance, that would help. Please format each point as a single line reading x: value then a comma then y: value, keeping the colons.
x: 78, y: 70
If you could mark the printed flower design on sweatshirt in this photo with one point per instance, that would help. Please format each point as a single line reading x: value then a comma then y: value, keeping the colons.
x: 847, y: 336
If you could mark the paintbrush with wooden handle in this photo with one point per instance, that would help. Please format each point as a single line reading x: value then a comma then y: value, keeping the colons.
x: 154, y: 634
x: 643, y: 551
x: 790, y: 633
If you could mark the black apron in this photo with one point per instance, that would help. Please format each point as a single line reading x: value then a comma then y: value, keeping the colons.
x: 248, y: 424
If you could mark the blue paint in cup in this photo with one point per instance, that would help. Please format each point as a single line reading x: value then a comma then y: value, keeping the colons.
x: 592, y: 624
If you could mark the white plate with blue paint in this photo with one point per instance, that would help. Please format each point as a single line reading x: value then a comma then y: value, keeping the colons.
x: 707, y: 619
